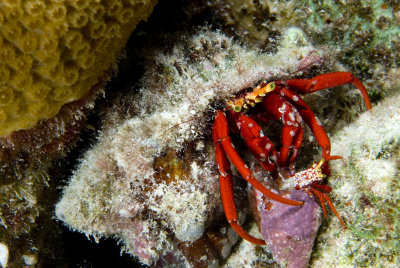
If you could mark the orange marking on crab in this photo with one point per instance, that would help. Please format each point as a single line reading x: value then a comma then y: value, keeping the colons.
x: 279, y: 100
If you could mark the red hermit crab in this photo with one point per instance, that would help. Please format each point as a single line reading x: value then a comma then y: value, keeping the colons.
x: 278, y: 100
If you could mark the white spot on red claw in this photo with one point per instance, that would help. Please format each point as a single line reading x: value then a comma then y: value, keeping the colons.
x: 318, y: 122
x: 292, y: 116
x: 223, y: 174
x: 282, y: 109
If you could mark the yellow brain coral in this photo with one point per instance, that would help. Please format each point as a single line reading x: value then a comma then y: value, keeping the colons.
x: 52, y: 52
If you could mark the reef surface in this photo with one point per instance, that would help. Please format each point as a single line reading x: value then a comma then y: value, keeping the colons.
x: 53, y: 52
x: 148, y: 180
x: 151, y: 180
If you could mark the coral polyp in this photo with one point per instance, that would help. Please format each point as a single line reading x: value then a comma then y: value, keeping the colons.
x: 53, y: 52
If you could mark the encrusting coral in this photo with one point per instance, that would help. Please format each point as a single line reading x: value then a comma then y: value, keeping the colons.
x: 151, y: 182
x: 55, y: 59
x: 53, y: 52
x: 153, y: 172
x: 363, y: 34
x: 366, y: 192
x: 161, y: 154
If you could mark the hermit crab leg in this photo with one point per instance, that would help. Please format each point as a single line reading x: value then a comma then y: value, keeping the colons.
x: 220, y: 135
x: 279, y: 108
x: 313, y: 122
x: 321, y: 200
x: 324, y: 197
x: 328, y: 80
x: 223, y: 147
x: 259, y: 145
x: 227, y: 196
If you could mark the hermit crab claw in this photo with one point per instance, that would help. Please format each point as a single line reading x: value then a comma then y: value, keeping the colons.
x: 310, y: 181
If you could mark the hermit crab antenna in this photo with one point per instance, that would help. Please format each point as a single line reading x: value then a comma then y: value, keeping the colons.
x: 320, y: 163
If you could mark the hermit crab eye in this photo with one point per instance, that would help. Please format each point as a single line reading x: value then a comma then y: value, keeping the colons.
x: 271, y: 86
x: 237, y: 108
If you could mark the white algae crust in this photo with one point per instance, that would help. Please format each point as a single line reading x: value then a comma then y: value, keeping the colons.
x: 150, y: 181
x: 249, y: 255
x: 3, y: 255
x: 366, y: 192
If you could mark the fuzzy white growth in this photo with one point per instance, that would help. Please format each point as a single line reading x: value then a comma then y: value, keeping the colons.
x: 200, y: 145
x: 3, y: 255
x: 380, y: 175
x: 109, y: 191
x: 30, y: 259
x: 367, y: 182
x: 249, y: 250
x: 187, y: 214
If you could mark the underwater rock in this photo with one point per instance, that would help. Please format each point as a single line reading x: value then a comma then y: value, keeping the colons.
x: 357, y: 32
x: 27, y: 189
x: 246, y: 254
x: 53, y: 52
x: 153, y: 169
x: 55, y: 59
x: 257, y: 22
x: 365, y: 192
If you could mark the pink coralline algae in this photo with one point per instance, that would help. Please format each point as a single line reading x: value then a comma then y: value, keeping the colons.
x: 290, y: 231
